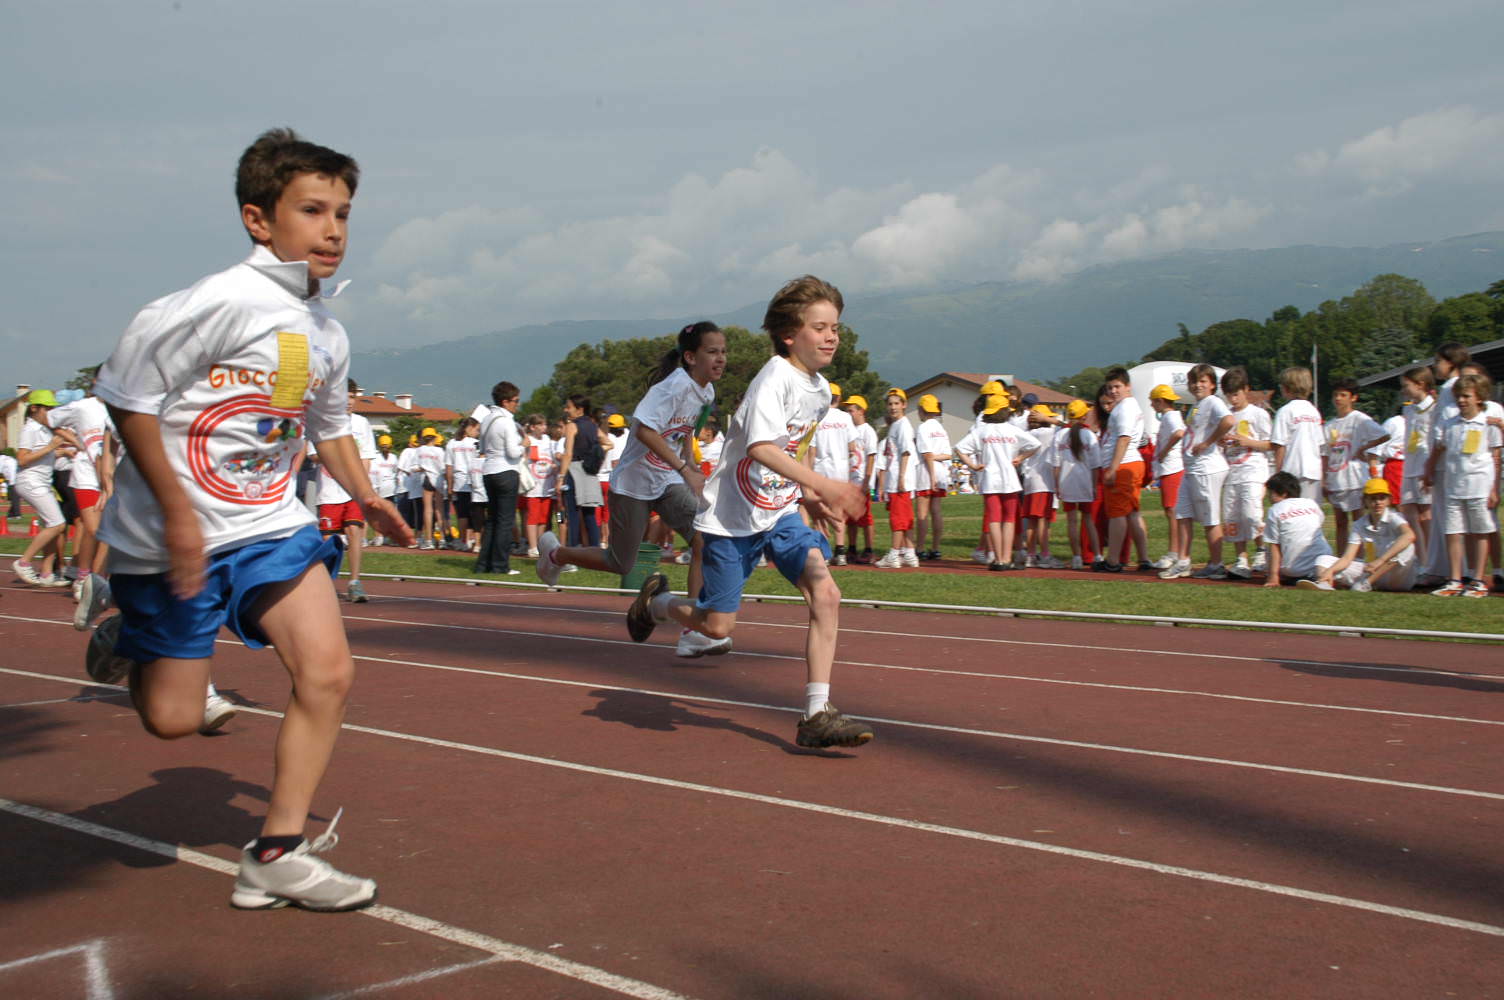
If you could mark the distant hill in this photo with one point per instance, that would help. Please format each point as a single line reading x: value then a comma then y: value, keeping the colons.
x: 1112, y: 312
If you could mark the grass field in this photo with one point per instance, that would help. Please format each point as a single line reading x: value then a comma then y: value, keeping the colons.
x: 1131, y: 593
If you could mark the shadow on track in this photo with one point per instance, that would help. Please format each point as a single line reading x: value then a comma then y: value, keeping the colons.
x: 651, y: 711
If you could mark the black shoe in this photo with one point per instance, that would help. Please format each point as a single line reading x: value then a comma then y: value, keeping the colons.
x: 640, y: 620
x: 998, y: 567
x: 1145, y: 566
x: 1098, y: 566
x: 829, y: 728
x: 1112, y: 567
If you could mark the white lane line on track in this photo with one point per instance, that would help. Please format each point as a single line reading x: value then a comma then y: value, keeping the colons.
x: 1427, y: 672
x: 502, y: 950
x: 1180, y: 692
x: 908, y: 724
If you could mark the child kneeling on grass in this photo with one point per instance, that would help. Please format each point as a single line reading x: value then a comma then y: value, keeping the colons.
x: 749, y: 506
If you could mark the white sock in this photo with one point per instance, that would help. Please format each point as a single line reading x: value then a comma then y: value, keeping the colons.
x: 659, y: 606
x: 815, y: 697
x: 212, y: 692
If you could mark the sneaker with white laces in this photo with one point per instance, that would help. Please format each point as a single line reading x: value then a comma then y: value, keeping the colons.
x: 217, y: 711
x: 1051, y: 562
x: 100, y: 661
x: 94, y: 599
x: 910, y: 558
x: 1165, y: 561
x: 1181, y: 568
x: 890, y: 561
x: 1475, y: 588
x: 829, y: 728
x: 1241, y: 569
x: 839, y: 559
x: 694, y: 644
x: 1452, y: 588
x: 532, y: 553
x: 298, y: 878
x: 1211, y: 571
x: 54, y: 582
x: 356, y: 591
x: 1314, y: 585
x: 548, y: 570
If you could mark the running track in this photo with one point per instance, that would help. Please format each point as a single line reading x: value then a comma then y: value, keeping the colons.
x: 552, y: 811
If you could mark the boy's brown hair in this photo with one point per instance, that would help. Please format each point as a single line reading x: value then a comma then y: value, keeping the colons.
x: 786, y: 311
x: 1199, y: 372
x: 278, y: 155
x: 1481, y: 385
x: 1422, y: 376
x: 1234, y: 380
x: 1296, y: 382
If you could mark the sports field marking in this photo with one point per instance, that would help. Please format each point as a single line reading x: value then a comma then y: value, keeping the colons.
x: 931, y: 726
x: 415, y: 978
x: 97, y: 984
x: 482, y: 943
x: 857, y: 630
x: 501, y: 950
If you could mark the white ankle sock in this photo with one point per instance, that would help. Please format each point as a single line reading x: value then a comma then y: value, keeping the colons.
x: 815, y: 697
x: 659, y: 606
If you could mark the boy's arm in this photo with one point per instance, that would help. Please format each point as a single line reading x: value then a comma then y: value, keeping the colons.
x: 1272, y: 569
x: 1341, y: 564
x: 1437, y: 448
x: 1405, y: 540
x: 835, y: 497
x: 679, y: 460
x: 1159, y: 456
x: 1118, y: 452
x: 181, y: 533
x: 1218, y: 433
x: 341, y: 459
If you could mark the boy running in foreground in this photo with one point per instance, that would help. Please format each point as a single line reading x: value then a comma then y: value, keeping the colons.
x: 748, y: 508
x: 213, y: 390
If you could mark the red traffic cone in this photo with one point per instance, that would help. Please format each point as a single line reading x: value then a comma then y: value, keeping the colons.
x: 33, y: 530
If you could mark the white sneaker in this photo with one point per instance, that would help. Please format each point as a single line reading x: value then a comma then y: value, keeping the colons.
x: 217, y: 711
x: 694, y: 644
x: 27, y: 572
x: 1030, y: 562
x: 839, y: 559
x: 1211, y: 571
x: 1362, y: 585
x: 548, y: 570
x: 570, y: 568
x: 890, y: 561
x: 981, y: 557
x: 94, y: 599
x: 1077, y: 563
x: 1260, y: 561
x: 298, y: 878
x: 1181, y: 568
x: 532, y: 553
x: 54, y: 582
x: 1313, y: 585
x: 683, y: 558
x: 1240, y: 569
x: 911, y: 559
x: 1165, y: 561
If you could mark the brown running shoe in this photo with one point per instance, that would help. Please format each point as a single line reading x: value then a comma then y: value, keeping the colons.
x: 829, y: 728
x: 640, y: 621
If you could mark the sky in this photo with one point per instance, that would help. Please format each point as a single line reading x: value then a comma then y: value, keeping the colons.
x: 528, y: 162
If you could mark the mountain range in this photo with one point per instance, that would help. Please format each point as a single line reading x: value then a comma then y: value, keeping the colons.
x: 1104, y: 314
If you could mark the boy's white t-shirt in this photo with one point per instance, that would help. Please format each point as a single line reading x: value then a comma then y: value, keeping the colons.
x: 931, y: 437
x: 238, y: 370
x: 998, y: 445
x: 672, y: 407
x: 1170, y: 422
x: 330, y: 491
x: 1036, y: 472
x: 832, y: 444
x: 1126, y: 419
x: 1297, y: 428
x: 1469, y: 455
x: 430, y: 461
x: 1294, y: 524
x: 866, y: 438
x: 459, y: 454
x: 410, y: 477
x: 782, y: 406
x: 1395, y: 447
x: 1076, y: 481
x: 899, y: 442
x: 1200, y: 426
x: 1246, y: 465
x: 384, y: 474
x: 1346, y: 466
x: 1419, y: 420
x: 35, y: 436
x: 1376, y: 538
x: 90, y: 421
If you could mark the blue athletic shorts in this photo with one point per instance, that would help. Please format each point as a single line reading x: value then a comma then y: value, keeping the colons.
x: 728, y: 562
x: 156, y: 624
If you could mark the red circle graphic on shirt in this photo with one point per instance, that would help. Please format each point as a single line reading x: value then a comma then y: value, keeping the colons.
x: 232, y: 474
x: 673, y: 436
x: 782, y: 495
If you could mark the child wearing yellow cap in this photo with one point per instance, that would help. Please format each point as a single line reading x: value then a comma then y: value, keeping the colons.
x: 1385, y: 536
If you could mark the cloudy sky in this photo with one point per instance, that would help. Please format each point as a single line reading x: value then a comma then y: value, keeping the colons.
x: 562, y: 160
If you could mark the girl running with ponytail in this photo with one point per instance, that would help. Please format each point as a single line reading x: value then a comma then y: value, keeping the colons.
x: 656, y: 472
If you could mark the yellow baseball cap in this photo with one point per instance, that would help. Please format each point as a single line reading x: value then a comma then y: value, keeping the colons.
x: 428, y: 432
x: 1077, y: 409
x: 930, y: 403
x: 1377, y: 486
x: 385, y: 439
x: 616, y: 420
x: 835, y: 390
x: 41, y: 397
x: 995, y: 401
x: 896, y: 391
x: 856, y: 401
x: 1164, y: 392
x: 991, y: 388
x: 1042, y: 410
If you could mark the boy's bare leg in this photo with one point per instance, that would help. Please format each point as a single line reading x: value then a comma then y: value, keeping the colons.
x: 301, y: 618
x: 921, y: 520
x: 716, y: 624
x: 937, y: 524
x: 1456, y: 544
x: 824, y: 600
x: 169, y: 695
x: 696, y: 567
x: 355, y: 535
x: 1214, y: 543
x: 1136, y: 531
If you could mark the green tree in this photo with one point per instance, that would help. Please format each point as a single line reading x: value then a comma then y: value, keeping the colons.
x: 84, y: 379
x: 1468, y: 319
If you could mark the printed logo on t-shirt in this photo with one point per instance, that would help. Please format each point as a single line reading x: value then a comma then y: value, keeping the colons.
x: 765, y: 488
x: 673, y: 435
x: 225, y: 470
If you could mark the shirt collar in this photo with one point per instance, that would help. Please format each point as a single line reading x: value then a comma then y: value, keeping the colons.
x: 290, y: 275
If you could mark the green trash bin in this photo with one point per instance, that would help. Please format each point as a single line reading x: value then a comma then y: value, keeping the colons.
x: 648, y: 555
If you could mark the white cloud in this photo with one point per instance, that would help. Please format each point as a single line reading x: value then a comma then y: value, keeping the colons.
x: 1389, y: 160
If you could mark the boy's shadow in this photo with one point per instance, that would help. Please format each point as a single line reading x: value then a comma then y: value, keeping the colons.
x: 652, y: 711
